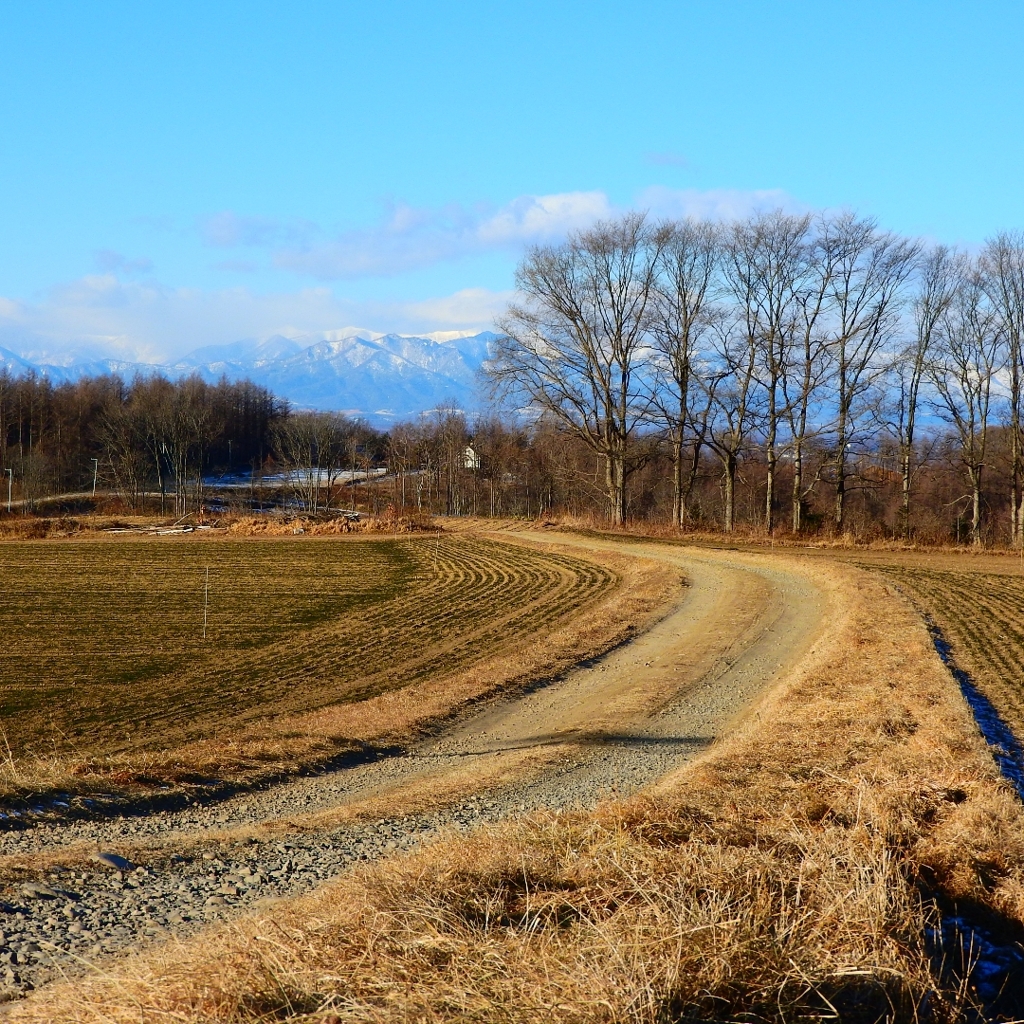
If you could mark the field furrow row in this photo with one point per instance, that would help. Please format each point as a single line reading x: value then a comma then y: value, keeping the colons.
x: 104, y: 646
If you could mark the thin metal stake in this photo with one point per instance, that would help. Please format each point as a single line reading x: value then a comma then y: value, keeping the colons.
x: 206, y: 600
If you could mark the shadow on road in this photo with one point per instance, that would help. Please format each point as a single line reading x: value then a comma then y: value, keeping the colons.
x: 580, y: 738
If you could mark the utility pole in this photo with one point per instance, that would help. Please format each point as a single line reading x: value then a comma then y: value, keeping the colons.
x: 95, y: 474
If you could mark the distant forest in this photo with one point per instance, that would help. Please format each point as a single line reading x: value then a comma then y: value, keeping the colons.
x: 788, y: 375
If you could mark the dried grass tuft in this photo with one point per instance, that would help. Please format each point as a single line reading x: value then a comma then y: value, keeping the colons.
x: 39, y: 528
x: 389, y: 522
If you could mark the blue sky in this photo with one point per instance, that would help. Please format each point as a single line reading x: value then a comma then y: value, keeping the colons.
x: 183, y: 174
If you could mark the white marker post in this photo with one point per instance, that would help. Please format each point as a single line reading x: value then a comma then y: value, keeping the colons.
x: 206, y: 601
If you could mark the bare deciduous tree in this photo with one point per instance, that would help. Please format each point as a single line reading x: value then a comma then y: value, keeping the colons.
x: 809, y: 367
x: 684, y: 312
x: 312, y: 447
x: 871, y: 267
x: 573, y: 346
x: 766, y: 260
x: 939, y: 277
x: 1002, y: 267
x: 731, y: 387
x: 962, y: 372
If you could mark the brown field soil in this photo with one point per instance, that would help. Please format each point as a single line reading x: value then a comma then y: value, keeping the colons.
x: 105, y: 665
x: 787, y: 875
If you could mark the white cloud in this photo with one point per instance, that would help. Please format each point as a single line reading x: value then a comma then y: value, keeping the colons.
x: 468, y: 307
x: 532, y: 219
x: 100, y: 316
x: 122, y: 314
x: 108, y: 261
x: 228, y: 229
x: 713, y: 204
x: 408, y: 238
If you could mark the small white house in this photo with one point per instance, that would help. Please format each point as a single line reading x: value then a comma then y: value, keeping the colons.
x: 470, y: 459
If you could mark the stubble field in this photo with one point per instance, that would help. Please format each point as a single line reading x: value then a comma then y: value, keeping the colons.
x: 800, y: 870
x: 104, y: 653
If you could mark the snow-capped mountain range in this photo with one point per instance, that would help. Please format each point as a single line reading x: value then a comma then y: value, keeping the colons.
x: 382, y: 377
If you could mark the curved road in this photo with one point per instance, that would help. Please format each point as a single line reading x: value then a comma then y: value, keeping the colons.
x: 609, y: 727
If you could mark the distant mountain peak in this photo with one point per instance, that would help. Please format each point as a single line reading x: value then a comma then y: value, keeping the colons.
x: 382, y: 377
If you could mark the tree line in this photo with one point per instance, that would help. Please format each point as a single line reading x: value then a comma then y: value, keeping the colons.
x: 816, y: 351
x: 810, y: 374
x: 147, y: 436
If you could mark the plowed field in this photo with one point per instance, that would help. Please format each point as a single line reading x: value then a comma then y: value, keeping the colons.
x: 980, y: 609
x: 103, y: 647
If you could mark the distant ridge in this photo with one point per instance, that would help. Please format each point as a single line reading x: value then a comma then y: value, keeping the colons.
x: 382, y: 377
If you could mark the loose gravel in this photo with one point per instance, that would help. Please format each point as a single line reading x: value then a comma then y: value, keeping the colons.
x: 68, y: 919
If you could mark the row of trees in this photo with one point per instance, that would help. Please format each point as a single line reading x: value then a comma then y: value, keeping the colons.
x: 537, y: 468
x: 807, y: 346
x: 153, y: 440
x: 139, y: 437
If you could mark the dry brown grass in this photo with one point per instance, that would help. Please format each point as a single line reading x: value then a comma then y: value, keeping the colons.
x: 39, y: 528
x: 782, y: 877
x: 90, y: 524
x: 756, y: 537
x: 388, y: 522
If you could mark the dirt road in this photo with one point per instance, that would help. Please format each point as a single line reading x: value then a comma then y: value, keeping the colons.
x: 622, y: 722
x: 611, y: 726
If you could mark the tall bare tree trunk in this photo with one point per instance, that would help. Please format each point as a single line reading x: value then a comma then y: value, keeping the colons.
x: 678, y: 492
x: 976, y: 506
x: 798, y: 485
x: 839, y: 509
x: 615, y: 478
x: 730, y: 492
x: 1016, y: 503
x: 771, y: 457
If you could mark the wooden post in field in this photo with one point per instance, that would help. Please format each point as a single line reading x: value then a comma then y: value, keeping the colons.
x: 206, y: 600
